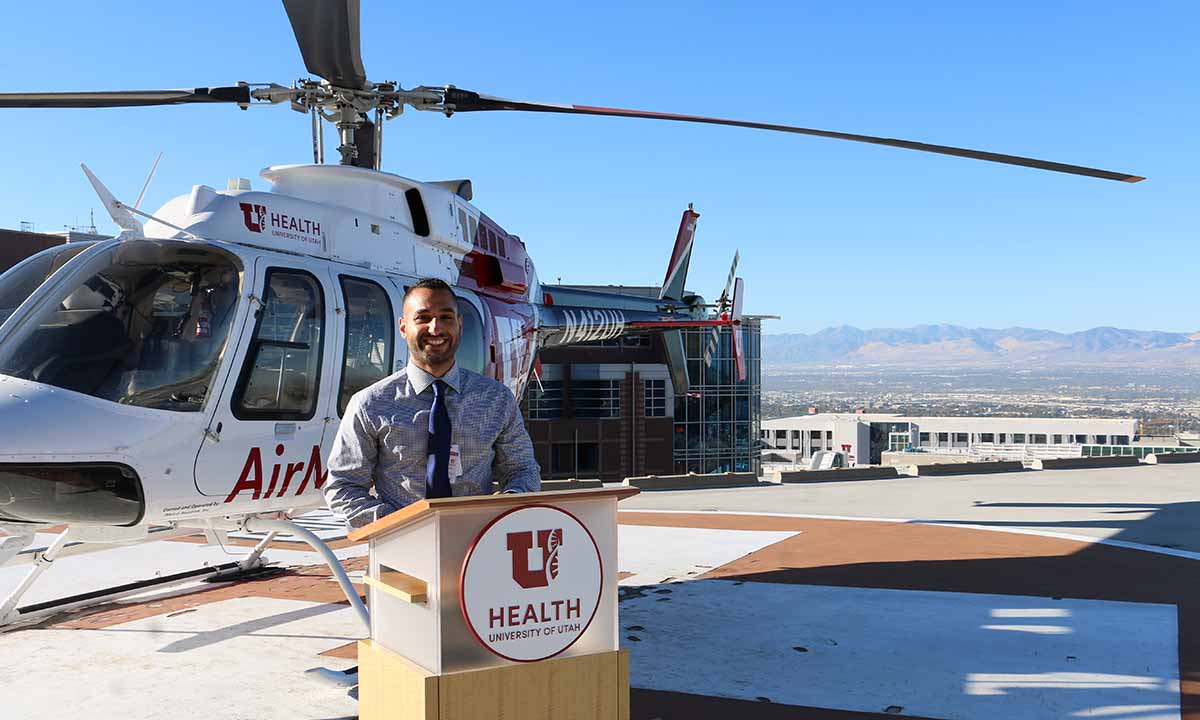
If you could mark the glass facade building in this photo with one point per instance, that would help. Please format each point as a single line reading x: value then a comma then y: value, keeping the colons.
x: 609, y: 409
x: 717, y: 420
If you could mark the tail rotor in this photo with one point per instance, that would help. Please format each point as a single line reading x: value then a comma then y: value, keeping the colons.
x: 723, y: 305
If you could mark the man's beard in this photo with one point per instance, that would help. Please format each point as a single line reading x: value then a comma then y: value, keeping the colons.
x: 435, y: 355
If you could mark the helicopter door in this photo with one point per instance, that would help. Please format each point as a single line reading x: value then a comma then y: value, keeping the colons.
x: 372, y: 347
x: 267, y: 434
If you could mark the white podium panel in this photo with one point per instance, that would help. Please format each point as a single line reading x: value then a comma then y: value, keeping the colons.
x: 537, y: 562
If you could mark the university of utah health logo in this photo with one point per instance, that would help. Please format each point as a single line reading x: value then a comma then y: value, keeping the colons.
x: 519, y: 544
x: 531, y: 583
x: 255, y: 216
x: 281, y: 225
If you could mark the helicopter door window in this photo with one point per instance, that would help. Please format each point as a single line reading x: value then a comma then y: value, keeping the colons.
x: 369, y: 337
x: 283, y: 364
x: 471, y: 346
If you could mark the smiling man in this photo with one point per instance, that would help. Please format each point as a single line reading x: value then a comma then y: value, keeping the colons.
x: 432, y: 429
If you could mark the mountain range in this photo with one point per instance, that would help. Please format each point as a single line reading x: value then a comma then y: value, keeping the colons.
x: 960, y: 346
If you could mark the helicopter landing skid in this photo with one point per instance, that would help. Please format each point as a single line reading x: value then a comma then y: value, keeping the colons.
x: 9, y: 612
x: 250, y: 566
x: 16, y: 617
x: 277, y: 525
x: 12, y: 615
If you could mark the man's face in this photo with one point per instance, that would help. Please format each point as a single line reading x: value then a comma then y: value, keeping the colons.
x: 432, y: 328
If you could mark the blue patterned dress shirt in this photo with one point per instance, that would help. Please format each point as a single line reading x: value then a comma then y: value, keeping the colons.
x: 384, y: 434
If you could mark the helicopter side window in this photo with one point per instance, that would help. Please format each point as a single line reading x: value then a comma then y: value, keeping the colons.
x: 283, y: 364
x: 466, y: 227
x: 471, y: 346
x: 369, y: 337
x: 19, y: 282
x: 146, y: 326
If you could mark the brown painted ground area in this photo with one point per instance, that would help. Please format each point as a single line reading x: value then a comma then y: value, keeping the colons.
x: 836, y: 553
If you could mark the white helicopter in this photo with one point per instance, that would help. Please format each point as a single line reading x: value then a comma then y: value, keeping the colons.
x: 189, y: 375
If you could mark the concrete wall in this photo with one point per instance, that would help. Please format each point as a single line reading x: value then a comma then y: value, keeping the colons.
x: 694, y: 482
x: 901, y: 459
x: 838, y: 475
x: 1085, y: 462
x: 969, y: 468
x: 571, y: 484
x: 1173, y: 458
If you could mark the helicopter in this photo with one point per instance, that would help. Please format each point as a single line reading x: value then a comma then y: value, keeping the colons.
x: 189, y: 374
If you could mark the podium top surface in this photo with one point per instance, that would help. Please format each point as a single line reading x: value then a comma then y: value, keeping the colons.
x: 424, y: 508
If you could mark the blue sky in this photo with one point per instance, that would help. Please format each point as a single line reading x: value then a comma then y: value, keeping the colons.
x: 829, y: 232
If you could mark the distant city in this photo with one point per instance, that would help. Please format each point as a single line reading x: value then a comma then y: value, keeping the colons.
x: 1019, y: 372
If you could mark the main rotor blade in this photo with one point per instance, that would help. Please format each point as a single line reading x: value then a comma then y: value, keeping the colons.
x: 457, y: 100
x: 327, y: 32
x: 125, y: 98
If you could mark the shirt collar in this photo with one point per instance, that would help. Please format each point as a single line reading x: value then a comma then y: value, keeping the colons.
x: 421, y: 380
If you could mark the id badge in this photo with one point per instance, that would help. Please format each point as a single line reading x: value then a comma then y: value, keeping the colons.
x: 455, y: 469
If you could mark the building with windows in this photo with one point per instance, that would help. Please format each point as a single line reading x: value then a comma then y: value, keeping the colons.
x: 609, y: 409
x: 864, y: 437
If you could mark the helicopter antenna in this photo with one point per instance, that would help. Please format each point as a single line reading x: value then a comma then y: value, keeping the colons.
x: 131, y: 227
x: 149, y: 177
x: 123, y: 215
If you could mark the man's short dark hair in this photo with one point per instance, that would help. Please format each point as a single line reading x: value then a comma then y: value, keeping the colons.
x: 427, y: 284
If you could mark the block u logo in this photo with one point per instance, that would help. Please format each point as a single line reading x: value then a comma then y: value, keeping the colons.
x: 519, y: 545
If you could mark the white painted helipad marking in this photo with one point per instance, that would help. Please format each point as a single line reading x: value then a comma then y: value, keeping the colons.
x: 1127, y: 712
x: 1037, y: 629
x: 930, y: 653
x: 238, y: 658
x: 1029, y: 613
x: 985, y: 684
x: 656, y: 554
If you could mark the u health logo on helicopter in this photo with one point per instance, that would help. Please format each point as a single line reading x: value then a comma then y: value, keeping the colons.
x: 255, y: 216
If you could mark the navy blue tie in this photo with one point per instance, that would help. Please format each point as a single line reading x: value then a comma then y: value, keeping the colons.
x: 437, y: 467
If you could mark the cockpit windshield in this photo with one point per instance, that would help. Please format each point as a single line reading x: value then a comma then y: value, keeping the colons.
x: 146, y: 326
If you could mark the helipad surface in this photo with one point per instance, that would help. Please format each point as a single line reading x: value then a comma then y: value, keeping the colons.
x: 724, y: 614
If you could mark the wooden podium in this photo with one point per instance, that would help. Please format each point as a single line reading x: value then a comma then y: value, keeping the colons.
x: 497, y: 606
